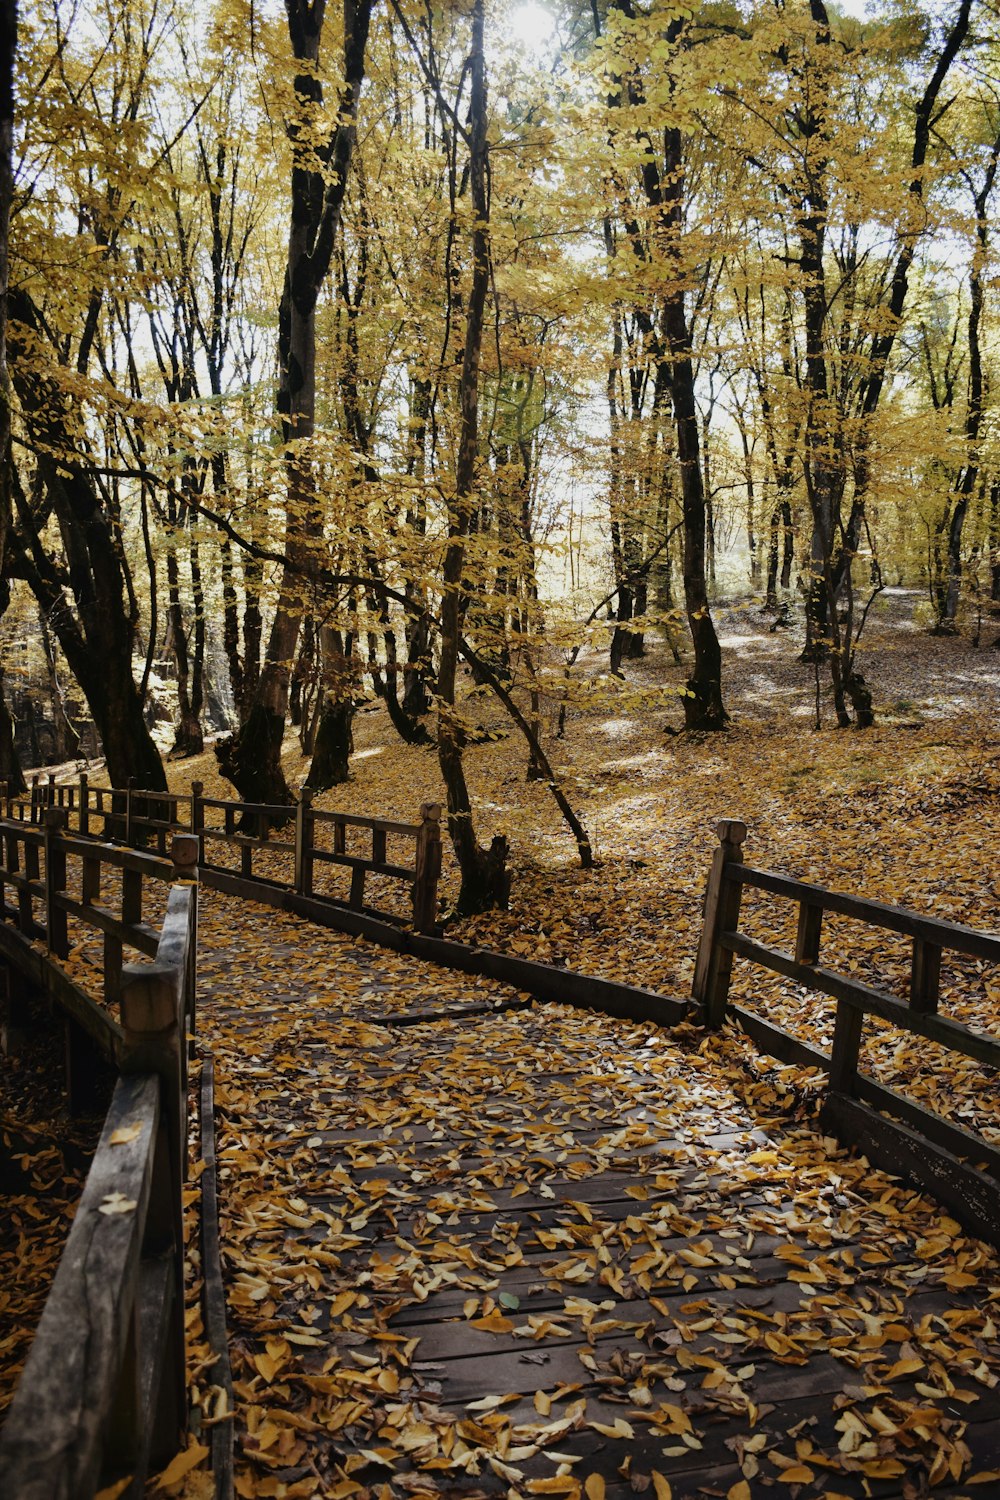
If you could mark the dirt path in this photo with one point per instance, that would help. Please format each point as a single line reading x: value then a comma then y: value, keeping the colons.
x: 537, y: 1251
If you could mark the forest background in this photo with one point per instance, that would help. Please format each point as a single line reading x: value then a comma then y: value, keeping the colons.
x: 562, y: 377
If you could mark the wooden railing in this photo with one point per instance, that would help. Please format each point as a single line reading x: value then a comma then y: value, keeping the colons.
x: 38, y: 860
x: 927, y: 1146
x: 102, y: 1396
x: 134, y: 815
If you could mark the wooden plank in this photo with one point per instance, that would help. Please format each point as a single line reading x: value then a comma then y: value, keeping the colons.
x: 213, y: 1288
x: 544, y: 981
x: 283, y: 810
x: 972, y: 1196
x: 131, y: 898
x: 846, y: 1048
x: 953, y: 935
x: 248, y: 841
x: 355, y: 862
x: 951, y: 1034
x: 160, y: 1421
x: 51, y: 1445
x: 808, y: 934
x: 383, y: 825
x: 714, y: 961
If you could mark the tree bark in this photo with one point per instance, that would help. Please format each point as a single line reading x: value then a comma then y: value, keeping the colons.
x: 252, y: 759
x: 483, y: 874
x: 98, y: 640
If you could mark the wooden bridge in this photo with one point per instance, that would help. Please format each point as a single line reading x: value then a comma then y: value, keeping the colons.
x: 492, y: 1228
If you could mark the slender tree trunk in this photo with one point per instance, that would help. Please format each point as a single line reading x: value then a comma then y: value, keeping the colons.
x: 965, y: 488
x: 703, y: 705
x: 484, y: 879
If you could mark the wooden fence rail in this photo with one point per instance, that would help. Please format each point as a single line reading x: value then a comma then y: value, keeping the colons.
x: 925, y: 1146
x: 132, y: 815
x: 102, y: 1395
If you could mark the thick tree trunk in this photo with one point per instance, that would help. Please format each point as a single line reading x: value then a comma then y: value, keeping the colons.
x: 66, y: 740
x: 10, y: 762
x: 8, y: 51
x: 333, y: 740
x: 253, y: 758
x: 98, y: 641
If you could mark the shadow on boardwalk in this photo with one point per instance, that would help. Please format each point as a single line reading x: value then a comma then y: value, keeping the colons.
x: 538, y: 1251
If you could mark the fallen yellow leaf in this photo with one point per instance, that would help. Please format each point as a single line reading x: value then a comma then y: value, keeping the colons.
x: 182, y: 1464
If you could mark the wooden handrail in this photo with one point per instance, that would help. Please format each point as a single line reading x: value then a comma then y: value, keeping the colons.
x: 127, y: 817
x: 924, y: 1146
x: 102, y: 1395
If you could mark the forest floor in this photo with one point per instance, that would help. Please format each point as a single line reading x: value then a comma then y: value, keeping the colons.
x: 905, y: 812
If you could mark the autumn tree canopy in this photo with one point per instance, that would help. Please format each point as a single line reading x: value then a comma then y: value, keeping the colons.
x: 409, y: 353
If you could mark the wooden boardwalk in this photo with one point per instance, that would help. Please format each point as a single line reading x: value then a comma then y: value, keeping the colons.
x: 526, y: 1250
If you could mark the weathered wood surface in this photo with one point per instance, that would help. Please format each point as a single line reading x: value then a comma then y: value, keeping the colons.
x: 544, y: 981
x: 51, y: 1444
x: 927, y: 1148
x: 219, y: 1373
x: 781, y: 1044
x: 972, y: 1196
x: 870, y: 1001
x: 635, y: 1223
x: 103, y: 1391
x: 935, y: 930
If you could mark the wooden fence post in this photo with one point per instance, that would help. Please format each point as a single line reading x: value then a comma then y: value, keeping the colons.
x: 128, y: 810
x: 925, y: 977
x: 84, y: 823
x: 844, y: 1052
x: 151, y: 1020
x: 427, y: 867
x: 55, y: 883
x: 305, y: 832
x: 36, y: 798
x: 198, y: 817
x: 25, y: 906
x: 722, y: 914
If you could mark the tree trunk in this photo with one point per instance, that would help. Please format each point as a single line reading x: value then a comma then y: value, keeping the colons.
x: 969, y: 476
x: 8, y: 51
x: 98, y: 641
x: 333, y: 740
x: 703, y: 705
x: 253, y: 759
x: 484, y: 879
